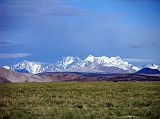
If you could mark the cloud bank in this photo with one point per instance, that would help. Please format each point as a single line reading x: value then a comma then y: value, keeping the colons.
x: 16, y: 55
x: 5, y: 43
x: 138, y: 60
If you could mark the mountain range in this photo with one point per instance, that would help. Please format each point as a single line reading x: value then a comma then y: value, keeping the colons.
x: 75, y: 64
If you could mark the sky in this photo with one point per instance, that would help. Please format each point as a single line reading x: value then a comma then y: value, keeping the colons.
x: 48, y: 30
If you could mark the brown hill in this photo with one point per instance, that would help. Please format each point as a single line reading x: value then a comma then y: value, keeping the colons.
x: 7, y: 75
x: 61, y: 76
x: 4, y: 80
x: 84, y: 77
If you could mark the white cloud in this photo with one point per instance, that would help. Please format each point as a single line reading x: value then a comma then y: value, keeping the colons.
x: 138, y: 60
x: 16, y: 55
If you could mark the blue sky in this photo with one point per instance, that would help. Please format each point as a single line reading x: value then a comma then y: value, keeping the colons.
x: 47, y: 30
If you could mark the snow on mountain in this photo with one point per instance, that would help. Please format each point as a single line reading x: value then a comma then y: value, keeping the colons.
x: 111, y: 62
x: 135, y: 68
x: 152, y: 66
x: 31, y: 67
x: 90, y: 64
x: 69, y: 62
x: 7, y: 67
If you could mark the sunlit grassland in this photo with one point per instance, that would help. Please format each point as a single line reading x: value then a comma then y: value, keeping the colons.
x: 87, y: 100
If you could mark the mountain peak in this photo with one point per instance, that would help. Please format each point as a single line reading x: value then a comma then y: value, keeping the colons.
x: 110, y: 62
x: 152, y: 66
x: 28, y: 66
x: 90, y: 56
x: 71, y: 59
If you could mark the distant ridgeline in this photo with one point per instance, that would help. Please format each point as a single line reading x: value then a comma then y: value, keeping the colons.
x: 148, y: 71
x: 75, y: 64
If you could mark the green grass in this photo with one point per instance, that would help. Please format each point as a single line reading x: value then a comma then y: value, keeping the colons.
x: 75, y: 100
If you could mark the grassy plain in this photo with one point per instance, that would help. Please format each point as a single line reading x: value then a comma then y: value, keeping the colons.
x: 75, y: 100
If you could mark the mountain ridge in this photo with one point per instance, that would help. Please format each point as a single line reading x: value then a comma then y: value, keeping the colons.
x: 148, y: 71
x: 76, y: 64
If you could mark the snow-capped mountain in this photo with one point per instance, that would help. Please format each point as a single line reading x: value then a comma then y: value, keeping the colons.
x: 26, y: 66
x: 75, y: 64
x: 152, y: 66
x: 67, y: 64
x: 110, y: 62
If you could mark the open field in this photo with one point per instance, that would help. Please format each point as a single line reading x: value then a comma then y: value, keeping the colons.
x: 80, y: 100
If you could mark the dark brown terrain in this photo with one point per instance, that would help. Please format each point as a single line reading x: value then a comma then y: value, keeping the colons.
x: 10, y: 76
